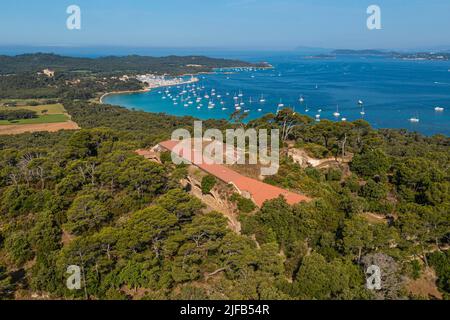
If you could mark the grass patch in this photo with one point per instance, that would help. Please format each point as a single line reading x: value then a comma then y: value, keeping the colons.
x: 50, y: 118
x: 51, y: 109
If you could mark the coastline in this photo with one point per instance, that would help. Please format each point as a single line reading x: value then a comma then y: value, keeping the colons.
x: 147, y: 89
x: 122, y: 92
x: 267, y: 66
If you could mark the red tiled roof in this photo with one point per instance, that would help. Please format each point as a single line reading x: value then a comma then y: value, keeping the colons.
x: 260, y: 191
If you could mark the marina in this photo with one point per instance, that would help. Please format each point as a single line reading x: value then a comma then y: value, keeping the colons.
x: 306, y: 87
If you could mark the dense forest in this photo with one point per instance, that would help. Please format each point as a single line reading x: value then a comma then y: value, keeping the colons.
x: 172, y: 65
x: 85, y: 198
x: 21, y: 76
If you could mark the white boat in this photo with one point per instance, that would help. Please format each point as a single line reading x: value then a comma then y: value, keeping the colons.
x: 363, y: 113
x: 439, y: 109
x: 414, y: 120
x: 223, y: 109
x: 240, y: 95
x: 337, y: 114
x: 246, y: 111
x: 259, y: 110
x: 344, y: 119
x: 360, y: 102
x: 301, y: 100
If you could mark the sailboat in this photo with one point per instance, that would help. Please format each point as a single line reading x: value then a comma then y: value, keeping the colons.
x: 363, y: 113
x: 414, y: 119
x: 262, y: 100
x: 438, y: 109
x: 360, y: 102
x: 337, y: 114
x: 302, y: 99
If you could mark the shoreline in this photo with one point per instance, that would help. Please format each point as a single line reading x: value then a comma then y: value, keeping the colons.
x: 147, y: 89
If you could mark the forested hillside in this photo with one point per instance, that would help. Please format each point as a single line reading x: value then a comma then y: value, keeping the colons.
x: 172, y: 65
x: 84, y: 198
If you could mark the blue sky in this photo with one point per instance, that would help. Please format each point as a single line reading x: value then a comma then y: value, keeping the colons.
x: 258, y: 24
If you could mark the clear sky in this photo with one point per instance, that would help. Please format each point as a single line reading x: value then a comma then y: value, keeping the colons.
x: 259, y: 24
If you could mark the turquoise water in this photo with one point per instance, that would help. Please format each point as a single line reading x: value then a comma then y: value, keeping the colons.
x: 393, y: 92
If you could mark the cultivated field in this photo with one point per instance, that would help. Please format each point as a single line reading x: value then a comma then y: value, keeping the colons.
x: 51, y: 118
x: 49, y: 127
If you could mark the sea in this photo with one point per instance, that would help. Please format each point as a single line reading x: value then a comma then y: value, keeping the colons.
x: 386, y: 92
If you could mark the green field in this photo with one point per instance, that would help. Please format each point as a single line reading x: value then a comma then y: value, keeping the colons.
x: 51, y: 109
x: 50, y: 118
x: 49, y: 113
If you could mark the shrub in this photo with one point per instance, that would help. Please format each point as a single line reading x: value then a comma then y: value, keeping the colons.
x: 440, y: 261
x: 244, y: 205
x: 166, y: 157
x: 316, y: 151
x: 208, y: 183
x: 334, y: 175
x: 17, y: 114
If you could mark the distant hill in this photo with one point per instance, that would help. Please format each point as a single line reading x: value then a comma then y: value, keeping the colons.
x: 443, y: 56
x: 173, y: 65
x: 366, y: 52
